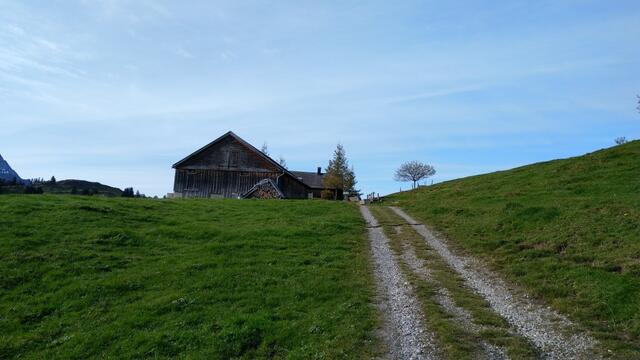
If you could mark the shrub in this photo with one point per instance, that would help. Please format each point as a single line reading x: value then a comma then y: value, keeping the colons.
x: 326, y: 194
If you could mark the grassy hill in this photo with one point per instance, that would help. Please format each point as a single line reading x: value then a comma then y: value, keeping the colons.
x: 66, y: 187
x: 97, y: 277
x: 567, y: 230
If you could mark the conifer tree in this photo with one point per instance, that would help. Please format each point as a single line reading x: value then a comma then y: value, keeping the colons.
x: 338, y: 174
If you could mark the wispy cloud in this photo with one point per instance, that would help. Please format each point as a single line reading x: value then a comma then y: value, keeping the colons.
x: 227, y: 55
x: 463, y: 86
x: 436, y: 93
x: 132, y: 10
x: 184, y: 53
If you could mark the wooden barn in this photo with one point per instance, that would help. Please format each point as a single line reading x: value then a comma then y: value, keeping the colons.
x: 230, y: 167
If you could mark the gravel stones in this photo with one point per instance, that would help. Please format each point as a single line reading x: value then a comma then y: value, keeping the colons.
x: 552, y: 333
x: 404, y: 329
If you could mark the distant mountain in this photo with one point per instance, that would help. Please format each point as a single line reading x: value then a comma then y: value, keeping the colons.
x: 7, y: 173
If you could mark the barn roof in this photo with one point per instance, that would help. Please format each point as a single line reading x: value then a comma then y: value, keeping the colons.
x: 238, y: 139
x: 312, y: 179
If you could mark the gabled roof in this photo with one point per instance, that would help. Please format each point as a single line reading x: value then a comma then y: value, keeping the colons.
x: 312, y: 179
x: 238, y: 139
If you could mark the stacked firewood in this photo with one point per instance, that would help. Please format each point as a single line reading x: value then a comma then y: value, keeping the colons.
x: 265, y: 191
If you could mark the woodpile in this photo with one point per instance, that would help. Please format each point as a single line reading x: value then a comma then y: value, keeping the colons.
x: 265, y: 189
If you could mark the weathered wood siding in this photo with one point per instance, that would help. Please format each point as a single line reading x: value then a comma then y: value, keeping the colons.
x: 292, y: 189
x: 217, y: 183
x: 230, y: 169
x: 229, y: 154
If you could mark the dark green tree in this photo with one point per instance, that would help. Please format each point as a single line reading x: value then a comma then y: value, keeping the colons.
x: 128, y: 192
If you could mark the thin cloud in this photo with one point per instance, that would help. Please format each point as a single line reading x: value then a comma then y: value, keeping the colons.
x: 436, y: 93
x: 481, y: 86
x: 227, y: 55
x: 184, y: 53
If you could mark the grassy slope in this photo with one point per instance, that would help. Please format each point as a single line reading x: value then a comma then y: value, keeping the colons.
x: 568, y: 230
x: 88, y: 277
x: 66, y: 187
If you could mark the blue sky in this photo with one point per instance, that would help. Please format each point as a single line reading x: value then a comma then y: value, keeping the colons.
x: 116, y: 91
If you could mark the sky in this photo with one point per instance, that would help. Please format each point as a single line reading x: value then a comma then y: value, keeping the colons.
x: 116, y: 91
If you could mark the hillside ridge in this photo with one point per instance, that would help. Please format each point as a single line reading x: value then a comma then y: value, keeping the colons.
x: 567, y: 230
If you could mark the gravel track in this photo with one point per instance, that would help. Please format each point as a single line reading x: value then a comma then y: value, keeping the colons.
x: 445, y: 300
x: 403, y: 328
x: 550, y: 332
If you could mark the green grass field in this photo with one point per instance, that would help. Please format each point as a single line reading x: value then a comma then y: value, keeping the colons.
x: 566, y: 230
x: 93, y: 277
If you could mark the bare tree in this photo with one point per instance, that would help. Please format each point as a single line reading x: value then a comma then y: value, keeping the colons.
x: 264, y: 149
x: 282, y: 161
x: 414, y: 171
x: 621, y: 140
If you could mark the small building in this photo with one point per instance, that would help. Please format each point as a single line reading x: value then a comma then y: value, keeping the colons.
x: 230, y: 167
x: 314, y: 180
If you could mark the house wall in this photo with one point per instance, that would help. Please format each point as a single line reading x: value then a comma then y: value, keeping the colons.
x: 292, y: 188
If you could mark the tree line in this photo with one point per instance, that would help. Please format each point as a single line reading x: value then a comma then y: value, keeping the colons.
x: 36, y: 186
x: 129, y: 193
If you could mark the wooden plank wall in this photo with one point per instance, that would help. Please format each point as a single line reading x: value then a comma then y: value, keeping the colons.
x: 212, y: 183
x: 229, y: 169
x: 292, y: 189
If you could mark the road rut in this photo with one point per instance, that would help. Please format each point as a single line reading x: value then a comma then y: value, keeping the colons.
x: 403, y: 330
x: 553, y: 334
